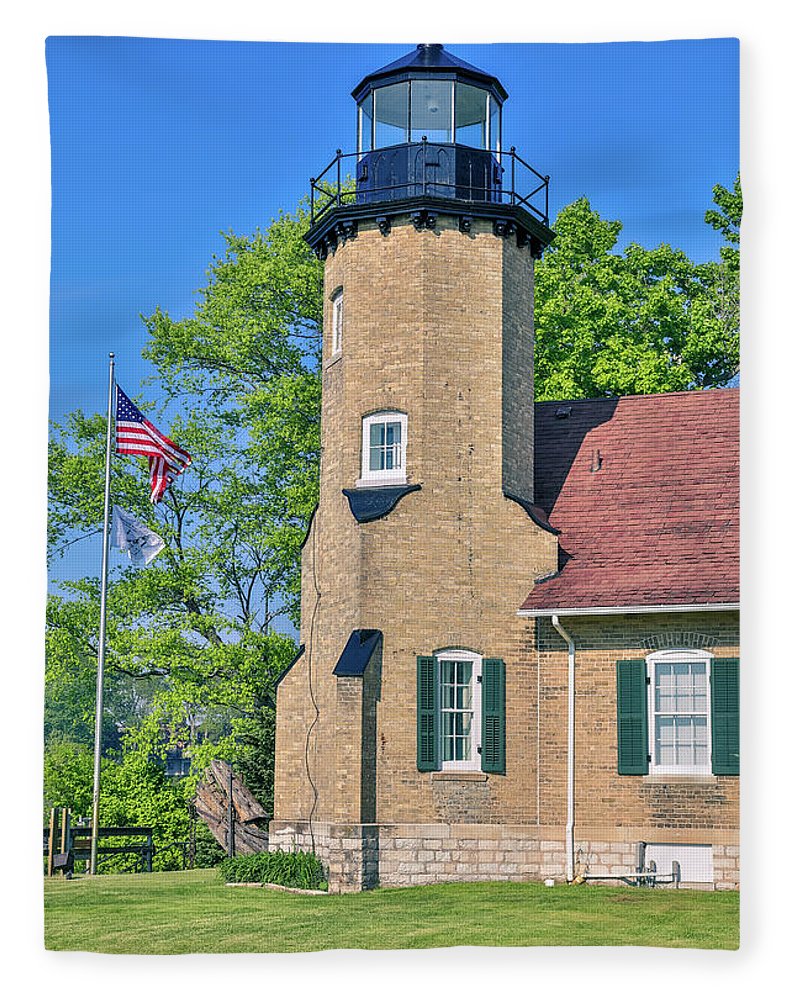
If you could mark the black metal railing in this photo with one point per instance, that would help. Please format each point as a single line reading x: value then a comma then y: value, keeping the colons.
x: 442, y: 170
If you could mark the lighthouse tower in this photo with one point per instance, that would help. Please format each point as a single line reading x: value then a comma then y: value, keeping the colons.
x: 425, y: 540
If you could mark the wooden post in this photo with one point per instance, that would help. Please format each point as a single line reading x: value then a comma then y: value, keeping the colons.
x: 53, y: 832
x: 64, y: 831
x: 149, y: 851
x: 231, y: 838
x: 193, y: 824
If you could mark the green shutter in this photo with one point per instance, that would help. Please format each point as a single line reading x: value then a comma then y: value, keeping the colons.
x: 427, y: 714
x: 493, y: 720
x: 725, y: 716
x: 632, y: 717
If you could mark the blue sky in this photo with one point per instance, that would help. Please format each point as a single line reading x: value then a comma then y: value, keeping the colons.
x: 159, y: 144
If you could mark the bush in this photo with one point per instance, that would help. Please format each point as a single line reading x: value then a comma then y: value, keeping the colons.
x: 297, y: 869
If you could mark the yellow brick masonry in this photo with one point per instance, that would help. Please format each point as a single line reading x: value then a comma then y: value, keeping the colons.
x: 429, y: 317
x: 615, y: 811
x: 464, y: 838
x: 438, y: 324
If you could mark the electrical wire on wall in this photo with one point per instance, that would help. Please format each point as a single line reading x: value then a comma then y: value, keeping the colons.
x: 312, y: 726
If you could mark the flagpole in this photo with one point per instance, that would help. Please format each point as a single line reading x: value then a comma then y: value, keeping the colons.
x: 97, y: 746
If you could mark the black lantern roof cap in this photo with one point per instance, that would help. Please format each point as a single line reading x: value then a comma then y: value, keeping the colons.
x: 427, y: 59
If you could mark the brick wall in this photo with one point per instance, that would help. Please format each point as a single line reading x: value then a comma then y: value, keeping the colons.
x: 606, y: 800
x: 447, y: 567
x: 438, y: 324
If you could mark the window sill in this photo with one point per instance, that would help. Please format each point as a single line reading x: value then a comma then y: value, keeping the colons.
x: 680, y: 779
x: 372, y: 484
x: 459, y: 776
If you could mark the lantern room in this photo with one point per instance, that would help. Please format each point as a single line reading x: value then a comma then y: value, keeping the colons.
x: 429, y: 94
x: 429, y: 141
x: 429, y: 122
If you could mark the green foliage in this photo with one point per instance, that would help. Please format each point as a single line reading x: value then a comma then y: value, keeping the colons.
x: 297, y: 869
x: 248, y: 360
x: 135, y: 792
x: 728, y: 220
x: 254, y: 754
x: 641, y: 321
x: 68, y: 777
x: 192, y: 642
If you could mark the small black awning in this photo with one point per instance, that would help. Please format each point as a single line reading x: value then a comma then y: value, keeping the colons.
x: 357, y: 652
x: 371, y: 504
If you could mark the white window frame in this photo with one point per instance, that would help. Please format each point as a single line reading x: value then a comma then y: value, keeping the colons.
x: 382, y: 477
x: 337, y: 322
x: 676, y: 656
x: 474, y: 764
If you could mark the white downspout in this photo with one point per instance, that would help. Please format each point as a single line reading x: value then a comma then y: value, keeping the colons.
x: 570, y: 749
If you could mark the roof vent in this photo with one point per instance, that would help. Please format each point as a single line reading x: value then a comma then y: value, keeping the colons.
x: 562, y: 412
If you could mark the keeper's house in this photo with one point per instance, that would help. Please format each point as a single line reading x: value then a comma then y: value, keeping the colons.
x: 520, y: 621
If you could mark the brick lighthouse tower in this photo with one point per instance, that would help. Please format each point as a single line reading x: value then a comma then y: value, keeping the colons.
x: 425, y: 540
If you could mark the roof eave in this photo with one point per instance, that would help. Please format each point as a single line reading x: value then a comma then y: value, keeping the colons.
x: 629, y: 609
x: 483, y: 80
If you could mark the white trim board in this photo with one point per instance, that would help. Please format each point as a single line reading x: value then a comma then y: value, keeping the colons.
x: 632, y: 609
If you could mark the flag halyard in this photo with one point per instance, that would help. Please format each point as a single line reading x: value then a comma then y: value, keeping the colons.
x: 135, y: 435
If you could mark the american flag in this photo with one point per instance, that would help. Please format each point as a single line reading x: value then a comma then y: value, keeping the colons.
x: 134, y: 435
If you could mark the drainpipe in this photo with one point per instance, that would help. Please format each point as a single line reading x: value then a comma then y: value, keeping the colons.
x: 570, y: 749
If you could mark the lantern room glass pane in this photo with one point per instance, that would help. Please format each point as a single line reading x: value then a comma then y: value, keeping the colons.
x: 431, y: 110
x: 365, y: 134
x: 494, y: 130
x: 391, y: 114
x: 470, y: 116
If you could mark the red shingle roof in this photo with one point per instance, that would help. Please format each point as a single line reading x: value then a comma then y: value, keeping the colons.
x: 645, y: 492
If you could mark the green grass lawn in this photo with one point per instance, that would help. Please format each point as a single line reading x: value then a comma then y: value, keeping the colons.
x: 177, y: 912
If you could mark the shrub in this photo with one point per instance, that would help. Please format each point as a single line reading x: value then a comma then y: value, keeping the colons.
x: 296, y: 869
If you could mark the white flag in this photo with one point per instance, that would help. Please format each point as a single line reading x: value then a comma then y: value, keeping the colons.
x: 134, y: 537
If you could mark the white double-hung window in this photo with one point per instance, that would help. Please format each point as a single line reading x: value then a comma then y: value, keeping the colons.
x: 384, y: 448
x: 679, y: 712
x: 459, y: 710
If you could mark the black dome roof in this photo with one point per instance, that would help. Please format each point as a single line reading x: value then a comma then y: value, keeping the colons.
x: 427, y: 60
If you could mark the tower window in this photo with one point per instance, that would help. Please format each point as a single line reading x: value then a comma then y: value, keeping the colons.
x: 337, y: 322
x: 384, y: 448
x: 471, y: 108
x: 459, y: 703
x: 460, y: 712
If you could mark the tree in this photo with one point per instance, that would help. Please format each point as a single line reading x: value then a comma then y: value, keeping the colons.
x: 728, y: 221
x: 641, y: 321
x: 135, y: 792
x: 199, y: 636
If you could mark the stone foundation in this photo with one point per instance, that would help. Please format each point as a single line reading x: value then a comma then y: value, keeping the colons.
x: 350, y: 852
x: 369, y: 855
